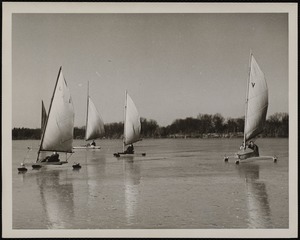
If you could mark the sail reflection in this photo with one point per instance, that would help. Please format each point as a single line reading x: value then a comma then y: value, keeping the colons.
x: 132, y: 176
x: 257, y: 197
x: 57, y: 197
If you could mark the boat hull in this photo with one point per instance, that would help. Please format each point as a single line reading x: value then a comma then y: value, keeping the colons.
x: 84, y: 147
x: 128, y: 154
x: 245, y: 154
x: 39, y: 165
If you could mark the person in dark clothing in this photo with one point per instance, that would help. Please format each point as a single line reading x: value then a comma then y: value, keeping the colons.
x: 93, y: 143
x: 130, y: 149
x: 53, y: 158
x: 254, y: 147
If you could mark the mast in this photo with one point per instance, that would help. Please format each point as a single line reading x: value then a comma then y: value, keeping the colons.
x: 87, y: 110
x: 247, y: 95
x: 125, y: 120
x: 42, y: 139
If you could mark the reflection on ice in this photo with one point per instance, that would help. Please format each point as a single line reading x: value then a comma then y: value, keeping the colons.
x: 257, y: 197
x: 57, y: 197
x: 132, y: 178
x: 95, y: 164
x: 177, y: 185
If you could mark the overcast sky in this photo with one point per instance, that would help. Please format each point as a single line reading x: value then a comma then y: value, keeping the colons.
x: 173, y: 65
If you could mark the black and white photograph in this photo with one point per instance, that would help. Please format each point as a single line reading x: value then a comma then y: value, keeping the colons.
x: 149, y: 120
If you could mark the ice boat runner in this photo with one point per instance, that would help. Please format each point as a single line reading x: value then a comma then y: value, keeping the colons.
x: 255, y: 111
x: 94, y: 125
x: 132, y: 127
x: 57, y: 136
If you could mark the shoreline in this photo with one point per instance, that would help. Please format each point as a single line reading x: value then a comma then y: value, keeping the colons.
x: 169, y: 137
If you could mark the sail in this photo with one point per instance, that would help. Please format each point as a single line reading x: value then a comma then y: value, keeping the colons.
x: 94, y: 123
x: 58, y: 133
x: 132, y: 125
x: 257, y: 106
x: 44, y: 117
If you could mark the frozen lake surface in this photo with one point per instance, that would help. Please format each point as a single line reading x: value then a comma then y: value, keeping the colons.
x: 180, y: 183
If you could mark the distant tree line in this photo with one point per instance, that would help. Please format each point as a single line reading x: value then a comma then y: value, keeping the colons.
x: 277, y: 125
x: 204, y: 125
x: 26, y: 133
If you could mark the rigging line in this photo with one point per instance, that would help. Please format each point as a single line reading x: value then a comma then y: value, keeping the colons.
x: 69, y: 156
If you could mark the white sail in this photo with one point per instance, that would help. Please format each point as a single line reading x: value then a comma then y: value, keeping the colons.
x: 58, y: 133
x: 257, y: 101
x: 132, y: 125
x: 94, y: 122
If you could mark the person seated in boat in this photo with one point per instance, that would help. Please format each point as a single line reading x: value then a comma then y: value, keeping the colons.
x: 254, y: 147
x: 130, y: 149
x: 93, y: 144
x: 53, y: 158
